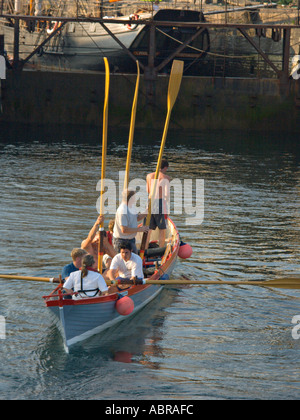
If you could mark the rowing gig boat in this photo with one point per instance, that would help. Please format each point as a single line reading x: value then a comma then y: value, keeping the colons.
x: 80, y: 319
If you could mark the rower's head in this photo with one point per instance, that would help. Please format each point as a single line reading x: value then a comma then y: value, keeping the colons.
x: 125, y: 251
x: 129, y: 197
x: 87, y: 262
x: 111, y: 225
x: 77, y: 254
x: 164, y: 166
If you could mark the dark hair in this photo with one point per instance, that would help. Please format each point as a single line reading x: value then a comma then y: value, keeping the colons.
x: 127, y: 194
x: 126, y: 245
x: 164, y: 163
x: 87, y: 261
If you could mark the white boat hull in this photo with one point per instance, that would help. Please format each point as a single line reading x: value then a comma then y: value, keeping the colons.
x: 80, y: 46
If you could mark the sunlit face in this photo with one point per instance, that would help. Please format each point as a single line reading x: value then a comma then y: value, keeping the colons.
x: 125, y: 254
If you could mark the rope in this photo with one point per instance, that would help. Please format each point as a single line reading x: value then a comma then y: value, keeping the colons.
x: 206, y: 52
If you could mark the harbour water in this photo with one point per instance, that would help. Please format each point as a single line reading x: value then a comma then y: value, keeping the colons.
x: 195, y: 342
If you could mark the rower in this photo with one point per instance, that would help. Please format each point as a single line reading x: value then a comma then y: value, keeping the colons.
x: 86, y: 282
x: 77, y: 254
x: 159, y: 205
x: 126, y: 266
x: 126, y: 222
x: 90, y: 244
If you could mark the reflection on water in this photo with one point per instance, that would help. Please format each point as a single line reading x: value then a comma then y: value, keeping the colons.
x: 192, y: 342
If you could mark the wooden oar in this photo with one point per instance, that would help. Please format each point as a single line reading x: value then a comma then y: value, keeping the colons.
x: 132, y: 125
x: 284, y: 282
x: 103, y: 168
x: 43, y: 279
x: 173, y: 90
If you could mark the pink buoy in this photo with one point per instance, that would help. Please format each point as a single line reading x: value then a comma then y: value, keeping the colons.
x: 124, y: 305
x: 185, y: 251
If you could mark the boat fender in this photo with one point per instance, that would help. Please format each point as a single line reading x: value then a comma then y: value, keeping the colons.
x: 124, y: 305
x: 185, y: 251
x: 130, y: 26
x: 51, y: 29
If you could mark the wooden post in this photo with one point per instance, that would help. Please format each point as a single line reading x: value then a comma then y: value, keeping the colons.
x: 286, y: 52
x: 1, y: 44
x: 150, y: 71
x: 16, y: 58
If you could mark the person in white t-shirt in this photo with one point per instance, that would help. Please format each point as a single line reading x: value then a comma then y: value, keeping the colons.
x: 86, y: 282
x: 126, y: 265
x: 126, y: 222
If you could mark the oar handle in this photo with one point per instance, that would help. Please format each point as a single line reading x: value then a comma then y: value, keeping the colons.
x: 43, y: 279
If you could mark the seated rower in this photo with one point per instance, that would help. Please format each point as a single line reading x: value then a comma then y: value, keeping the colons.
x: 86, y: 282
x: 77, y: 254
x: 126, y: 266
x: 110, y: 231
x: 107, y: 261
x: 91, y: 243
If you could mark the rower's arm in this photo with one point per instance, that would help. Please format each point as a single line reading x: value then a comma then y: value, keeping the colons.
x: 86, y: 242
x: 112, y: 274
x: 128, y: 230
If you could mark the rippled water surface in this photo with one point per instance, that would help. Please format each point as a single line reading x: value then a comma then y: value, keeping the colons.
x: 194, y: 342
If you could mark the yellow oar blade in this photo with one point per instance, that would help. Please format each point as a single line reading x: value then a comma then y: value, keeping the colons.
x: 103, y: 168
x: 104, y: 133
x: 173, y: 90
x: 175, y: 82
x: 132, y: 126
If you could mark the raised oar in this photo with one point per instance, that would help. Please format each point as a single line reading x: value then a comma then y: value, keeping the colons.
x: 173, y: 90
x: 284, y: 282
x: 43, y: 279
x: 132, y: 125
x: 103, y: 168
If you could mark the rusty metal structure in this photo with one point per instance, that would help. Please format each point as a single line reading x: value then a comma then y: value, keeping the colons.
x: 280, y: 68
